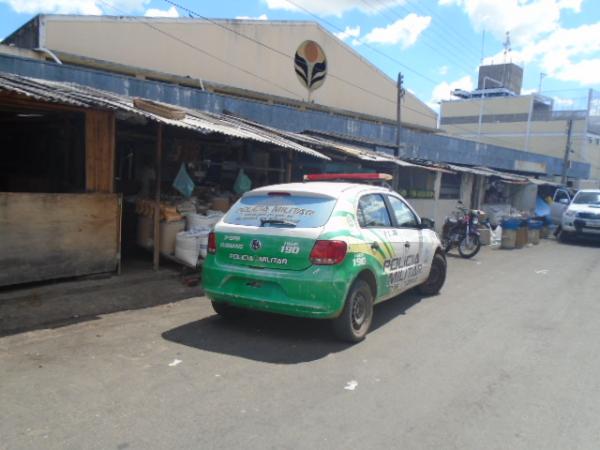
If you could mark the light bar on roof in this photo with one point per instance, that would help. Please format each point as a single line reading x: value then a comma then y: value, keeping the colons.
x: 347, y: 176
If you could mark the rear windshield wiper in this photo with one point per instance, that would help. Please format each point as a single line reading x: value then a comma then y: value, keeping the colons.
x: 283, y: 223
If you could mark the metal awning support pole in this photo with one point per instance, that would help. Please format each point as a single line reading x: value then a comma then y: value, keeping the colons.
x: 159, y: 144
x: 437, y: 186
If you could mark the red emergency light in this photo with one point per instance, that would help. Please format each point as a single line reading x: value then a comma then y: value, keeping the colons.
x: 347, y: 176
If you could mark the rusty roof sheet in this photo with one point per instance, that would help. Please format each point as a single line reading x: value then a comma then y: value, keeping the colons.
x: 202, y: 122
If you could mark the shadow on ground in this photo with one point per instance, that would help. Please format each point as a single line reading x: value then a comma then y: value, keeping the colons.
x: 591, y: 242
x: 277, y: 339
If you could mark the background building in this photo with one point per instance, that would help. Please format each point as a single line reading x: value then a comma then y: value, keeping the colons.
x: 495, y: 113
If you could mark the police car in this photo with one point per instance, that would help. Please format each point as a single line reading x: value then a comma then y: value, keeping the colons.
x: 327, y: 250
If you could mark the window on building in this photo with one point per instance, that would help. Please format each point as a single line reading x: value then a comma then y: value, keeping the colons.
x: 450, y: 188
x: 415, y: 183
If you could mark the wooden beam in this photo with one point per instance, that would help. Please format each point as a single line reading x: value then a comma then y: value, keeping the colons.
x: 19, y: 101
x: 159, y: 144
x: 100, y: 151
x: 168, y: 112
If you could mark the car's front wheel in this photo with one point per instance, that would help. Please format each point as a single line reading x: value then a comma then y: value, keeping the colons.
x: 436, y: 278
x: 354, y: 322
x: 563, y: 236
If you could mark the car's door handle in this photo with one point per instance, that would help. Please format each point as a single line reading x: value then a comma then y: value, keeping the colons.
x: 407, y: 244
x: 374, y: 246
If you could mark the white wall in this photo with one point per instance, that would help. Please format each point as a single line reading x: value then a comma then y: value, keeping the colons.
x: 427, y: 208
x: 228, y: 58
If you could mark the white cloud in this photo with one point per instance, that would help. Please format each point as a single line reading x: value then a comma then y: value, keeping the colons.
x: 333, y: 7
x: 404, y: 31
x: 443, y: 91
x: 443, y: 70
x: 349, y: 32
x: 584, y: 72
x: 566, y: 54
x: 563, y: 103
x: 525, y: 19
x: 54, y: 6
x: 154, y: 12
x: 95, y: 7
x: 261, y: 17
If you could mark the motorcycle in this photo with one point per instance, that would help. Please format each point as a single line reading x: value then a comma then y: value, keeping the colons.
x: 461, y: 231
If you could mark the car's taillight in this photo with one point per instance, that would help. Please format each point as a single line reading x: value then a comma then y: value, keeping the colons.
x: 328, y: 252
x: 212, y: 243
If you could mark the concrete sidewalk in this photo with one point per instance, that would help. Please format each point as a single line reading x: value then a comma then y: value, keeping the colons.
x: 55, y: 304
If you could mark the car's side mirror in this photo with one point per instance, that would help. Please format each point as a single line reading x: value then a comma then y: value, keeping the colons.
x: 564, y: 201
x: 427, y: 224
x: 459, y: 202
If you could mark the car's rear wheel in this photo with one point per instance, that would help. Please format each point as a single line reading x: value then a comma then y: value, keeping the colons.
x: 354, y: 322
x: 436, y: 278
x: 226, y: 310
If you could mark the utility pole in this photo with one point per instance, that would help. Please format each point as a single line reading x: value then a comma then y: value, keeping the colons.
x: 566, y: 161
x: 400, y: 95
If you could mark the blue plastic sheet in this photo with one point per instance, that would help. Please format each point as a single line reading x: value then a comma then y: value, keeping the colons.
x: 183, y: 182
x: 542, y: 209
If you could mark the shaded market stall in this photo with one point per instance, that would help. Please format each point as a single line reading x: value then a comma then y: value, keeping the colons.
x: 63, y: 177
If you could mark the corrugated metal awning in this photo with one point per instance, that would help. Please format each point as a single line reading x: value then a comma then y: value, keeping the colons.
x: 202, y: 122
x: 355, y: 151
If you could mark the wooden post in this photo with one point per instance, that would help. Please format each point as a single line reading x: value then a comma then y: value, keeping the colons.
x: 100, y: 151
x: 290, y: 158
x: 396, y: 178
x: 159, y: 144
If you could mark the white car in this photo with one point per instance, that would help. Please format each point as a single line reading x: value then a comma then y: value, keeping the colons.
x: 582, y: 216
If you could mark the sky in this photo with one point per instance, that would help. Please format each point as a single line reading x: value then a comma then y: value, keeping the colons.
x: 437, y: 44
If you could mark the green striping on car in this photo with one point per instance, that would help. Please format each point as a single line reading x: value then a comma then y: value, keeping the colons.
x: 325, y: 250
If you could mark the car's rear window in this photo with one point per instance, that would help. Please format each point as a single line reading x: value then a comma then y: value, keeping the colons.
x: 302, y: 211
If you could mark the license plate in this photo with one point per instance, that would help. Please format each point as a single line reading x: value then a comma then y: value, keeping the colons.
x: 592, y: 223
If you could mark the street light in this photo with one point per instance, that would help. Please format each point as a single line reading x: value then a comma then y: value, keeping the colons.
x: 481, y: 104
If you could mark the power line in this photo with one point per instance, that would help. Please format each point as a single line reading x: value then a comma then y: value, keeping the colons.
x: 466, y: 42
x: 376, y: 50
x: 445, y: 43
x: 379, y: 11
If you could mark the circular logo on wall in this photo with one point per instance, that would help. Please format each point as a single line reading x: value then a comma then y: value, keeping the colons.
x: 310, y: 64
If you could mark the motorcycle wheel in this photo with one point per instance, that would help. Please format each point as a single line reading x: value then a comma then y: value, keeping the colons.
x: 469, y: 246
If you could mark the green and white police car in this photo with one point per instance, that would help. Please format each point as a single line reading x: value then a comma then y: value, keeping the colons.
x: 327, y: 250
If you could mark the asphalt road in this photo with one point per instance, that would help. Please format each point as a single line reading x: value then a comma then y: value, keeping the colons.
x: 507, y: 357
